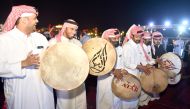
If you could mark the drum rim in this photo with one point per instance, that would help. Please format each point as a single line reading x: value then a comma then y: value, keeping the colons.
x: 174, y: 83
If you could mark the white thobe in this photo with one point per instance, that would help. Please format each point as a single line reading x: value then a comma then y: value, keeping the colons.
x: 73, y: 99
x: 147, y: 49
x: 104, y: 95
x: 23, y: 87
x: 105, y: 99
x: 144, y: 97
x: 131, y: 58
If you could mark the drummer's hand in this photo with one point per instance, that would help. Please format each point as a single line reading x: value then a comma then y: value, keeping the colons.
x: 159, y: 61
x: 125, y: 72
x: 32, y: 59
x: 117, y: 73
x: 145, y: 69
x: 37, y: 65
x: 149, y: 66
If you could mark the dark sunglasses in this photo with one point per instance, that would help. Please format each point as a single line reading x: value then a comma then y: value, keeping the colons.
x: 140, y: 31
x: 116, y: 32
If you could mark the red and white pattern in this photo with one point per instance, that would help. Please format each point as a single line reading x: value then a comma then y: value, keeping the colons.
x: 147, y: 35
x: 133, y: 30
x: 110, y: 33
x: 157, y: 35
x: 66, y: 24
x: 16, y: 12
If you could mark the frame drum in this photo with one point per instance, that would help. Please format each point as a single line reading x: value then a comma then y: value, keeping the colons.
x: 101, y: 55
x: 129, y: 88
x: 172, y: 66
x: 64, y: 66
x: 154, y: 83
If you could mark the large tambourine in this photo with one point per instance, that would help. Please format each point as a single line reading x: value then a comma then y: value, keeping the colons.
x: 154, y: 83
x: 171, y: 64
x: 101, y: 55
x: 64, y: 66
x: 129, y: 88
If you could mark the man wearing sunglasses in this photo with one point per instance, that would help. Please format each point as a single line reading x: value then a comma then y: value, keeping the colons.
x: 132, y: 59
x: 157, y: 47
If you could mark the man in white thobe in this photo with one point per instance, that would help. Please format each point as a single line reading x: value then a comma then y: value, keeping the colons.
x: 19, y: 61
x: 147, y: 60
x: 132, y: 60
x: 76, y: 98
x: 105, y: 99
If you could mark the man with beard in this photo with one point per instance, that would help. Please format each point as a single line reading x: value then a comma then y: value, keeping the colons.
x: 146, y: 56
x: 145, y: 47
x: 76, y: 98
x: 132, y: 59
x: 23, y: 87
x: 105, y: 99
x: 157, y: 48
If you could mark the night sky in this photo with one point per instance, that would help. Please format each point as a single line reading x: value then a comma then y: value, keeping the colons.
x: 104, y: 13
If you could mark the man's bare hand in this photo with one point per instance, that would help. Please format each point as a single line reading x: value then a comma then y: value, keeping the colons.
x: 32, y: 59
x: 117, y: 73
x: 159, y: 61
x: 145, y: 69
x: 149, y: 66
x: 123, y: 71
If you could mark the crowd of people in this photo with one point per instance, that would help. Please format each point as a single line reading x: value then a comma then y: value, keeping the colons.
x: 20, y: 46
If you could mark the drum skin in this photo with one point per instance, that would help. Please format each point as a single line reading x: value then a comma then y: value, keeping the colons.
x: 101, y: 55
x: 171, y: 64
x: 129, y: 88
x: 64, y: 66
x: 154, y: 83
